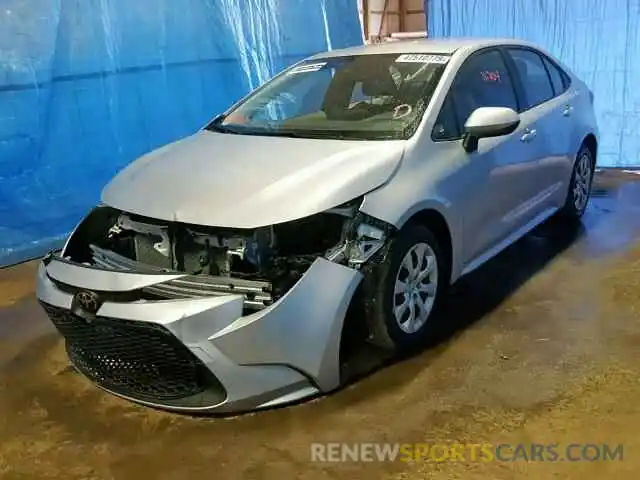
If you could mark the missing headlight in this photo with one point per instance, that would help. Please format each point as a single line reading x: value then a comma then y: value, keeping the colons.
x: 364, y: 237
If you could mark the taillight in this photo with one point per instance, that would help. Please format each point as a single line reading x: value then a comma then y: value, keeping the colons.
x: 591, y: 96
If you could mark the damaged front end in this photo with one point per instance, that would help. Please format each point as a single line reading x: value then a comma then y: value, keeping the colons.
x: 192, y: 317
x: 260, y: 264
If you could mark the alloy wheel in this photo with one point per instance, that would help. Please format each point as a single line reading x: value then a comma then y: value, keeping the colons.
x: 582, y: 182
x: 415, y: 288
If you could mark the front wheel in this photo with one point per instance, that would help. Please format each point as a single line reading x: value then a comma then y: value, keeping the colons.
x: 406, y: 290
x: 579, y: 185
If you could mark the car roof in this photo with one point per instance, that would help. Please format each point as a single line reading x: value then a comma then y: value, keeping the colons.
x: 445, y: 46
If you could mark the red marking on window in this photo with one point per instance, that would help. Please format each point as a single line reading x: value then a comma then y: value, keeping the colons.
x: 488, y: 76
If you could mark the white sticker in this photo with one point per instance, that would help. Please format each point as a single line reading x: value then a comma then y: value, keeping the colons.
x: 419, y: 58
x: 309, y: 67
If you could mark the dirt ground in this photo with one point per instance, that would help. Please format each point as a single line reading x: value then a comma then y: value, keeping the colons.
x: 543, y: 346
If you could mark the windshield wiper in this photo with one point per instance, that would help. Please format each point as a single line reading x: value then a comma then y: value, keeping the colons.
x: 328, y: 134
x: 217, y: 127
x: 286, y: 133
x: 262, y: 132
x: 276, y: 132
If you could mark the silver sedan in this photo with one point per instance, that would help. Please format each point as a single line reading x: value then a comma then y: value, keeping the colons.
x: 217, y: 272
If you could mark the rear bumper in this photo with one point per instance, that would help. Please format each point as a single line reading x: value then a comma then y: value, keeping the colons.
x: 202, y: 354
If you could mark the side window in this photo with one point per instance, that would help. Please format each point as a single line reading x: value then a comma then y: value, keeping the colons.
x: 557, y: 77
x: 483, y: 81
x: 446, y: 127
x: 535, y: 80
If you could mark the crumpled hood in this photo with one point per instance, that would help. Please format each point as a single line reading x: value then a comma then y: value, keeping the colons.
x: 241, y: 181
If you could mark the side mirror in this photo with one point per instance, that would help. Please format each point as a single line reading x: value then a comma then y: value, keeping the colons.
x: 487, y: 122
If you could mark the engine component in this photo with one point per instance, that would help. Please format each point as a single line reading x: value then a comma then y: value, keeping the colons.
x: 276, y: 256
x: 145, y: 229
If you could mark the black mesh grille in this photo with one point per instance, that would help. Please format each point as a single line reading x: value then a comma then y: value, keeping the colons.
x: 140, y: 360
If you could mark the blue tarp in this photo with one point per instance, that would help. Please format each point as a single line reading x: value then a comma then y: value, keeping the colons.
x: 598, y: 39
x: 86, y: 86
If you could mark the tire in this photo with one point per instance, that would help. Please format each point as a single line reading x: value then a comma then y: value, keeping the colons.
x: 579, y: 186
x: 385, y: 325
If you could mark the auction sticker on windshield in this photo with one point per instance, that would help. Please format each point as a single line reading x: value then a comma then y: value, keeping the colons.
x: 420, y: 58
x: 308, y: 67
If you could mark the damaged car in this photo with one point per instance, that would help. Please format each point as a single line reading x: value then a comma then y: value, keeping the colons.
x: 217, y: 272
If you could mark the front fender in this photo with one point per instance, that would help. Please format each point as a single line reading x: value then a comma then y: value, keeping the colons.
x: 393, y: 214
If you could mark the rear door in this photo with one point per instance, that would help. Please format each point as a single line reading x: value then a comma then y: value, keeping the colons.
x: 546, y: 107
x: 566, y: 106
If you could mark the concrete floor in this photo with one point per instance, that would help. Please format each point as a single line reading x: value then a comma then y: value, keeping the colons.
x: 541, y: 345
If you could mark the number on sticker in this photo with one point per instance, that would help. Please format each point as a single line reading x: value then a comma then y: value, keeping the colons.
x: 420, y: 58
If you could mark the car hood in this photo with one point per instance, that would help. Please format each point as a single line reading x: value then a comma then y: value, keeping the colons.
x: 240, y: 181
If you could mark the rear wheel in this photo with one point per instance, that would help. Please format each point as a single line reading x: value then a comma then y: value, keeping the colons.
x: 579, y: 185
x: 407, y: 289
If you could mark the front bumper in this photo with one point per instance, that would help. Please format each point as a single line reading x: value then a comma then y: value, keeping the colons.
x: 201, y: 354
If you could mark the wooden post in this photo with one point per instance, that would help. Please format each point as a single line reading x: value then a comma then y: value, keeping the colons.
x: 384, y: 17
x: 426, y: 17
x: 365, y: 19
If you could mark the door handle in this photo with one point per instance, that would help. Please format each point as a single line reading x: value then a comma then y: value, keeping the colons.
x: 528, y: 135
x: 567, y: 110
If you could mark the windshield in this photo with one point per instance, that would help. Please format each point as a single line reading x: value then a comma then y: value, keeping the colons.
x: 368, y: 97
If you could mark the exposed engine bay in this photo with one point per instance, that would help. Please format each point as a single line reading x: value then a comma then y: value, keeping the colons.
x: 262, y: 263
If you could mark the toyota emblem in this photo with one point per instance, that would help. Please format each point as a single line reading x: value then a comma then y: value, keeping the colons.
x: 87, y: 301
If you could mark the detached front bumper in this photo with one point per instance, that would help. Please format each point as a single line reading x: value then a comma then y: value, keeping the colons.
x: 201, y: 354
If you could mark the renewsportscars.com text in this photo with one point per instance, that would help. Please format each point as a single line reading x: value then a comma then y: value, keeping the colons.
x: 477, y: 452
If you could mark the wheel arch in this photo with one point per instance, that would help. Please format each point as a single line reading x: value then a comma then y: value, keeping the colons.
x: 355, y: 326
x: 437, y: 223
x: 591, y: 142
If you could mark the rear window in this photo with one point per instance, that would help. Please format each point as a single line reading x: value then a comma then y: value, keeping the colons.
x: 559, y: 78
x: 534, y: 77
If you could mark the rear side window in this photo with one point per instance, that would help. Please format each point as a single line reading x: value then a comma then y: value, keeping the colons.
x: 483, y: 81
x: 533, y: 74
x: 559, y: 79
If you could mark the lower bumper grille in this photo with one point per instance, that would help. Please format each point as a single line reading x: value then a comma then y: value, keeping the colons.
x: 143, y: 361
